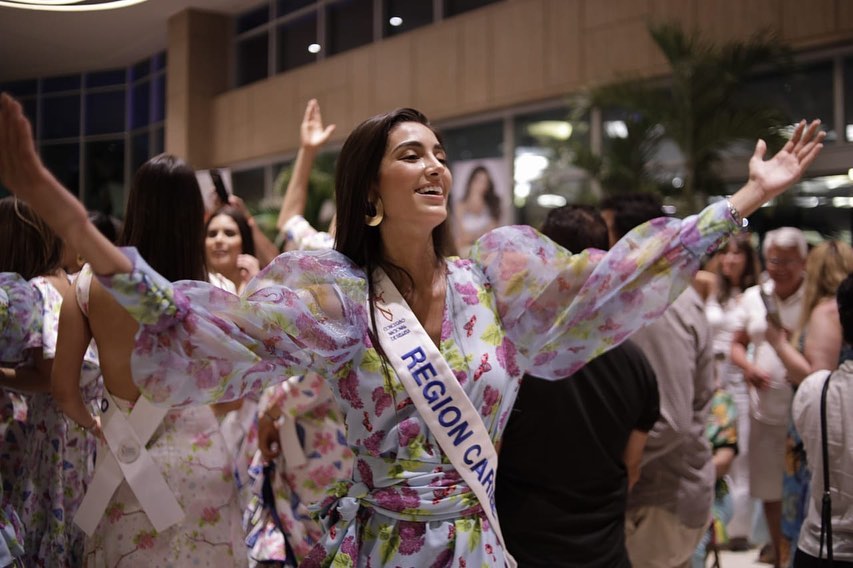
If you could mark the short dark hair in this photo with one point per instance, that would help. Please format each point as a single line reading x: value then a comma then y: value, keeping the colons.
x: 632, y: 209
x: 27, y: 245
x: 164, y: 218
x: 248, y: 245
x: 844, y: 296
x: 576, y: 227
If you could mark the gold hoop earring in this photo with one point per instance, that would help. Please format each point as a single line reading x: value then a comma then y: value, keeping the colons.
x: 375, y: 213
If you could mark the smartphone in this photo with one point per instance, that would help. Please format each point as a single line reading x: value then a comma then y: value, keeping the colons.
x: 219, y: 186
x: 772, y: 308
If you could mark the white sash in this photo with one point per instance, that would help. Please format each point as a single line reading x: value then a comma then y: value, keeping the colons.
x: 129, y: 459
x: 438, y: 397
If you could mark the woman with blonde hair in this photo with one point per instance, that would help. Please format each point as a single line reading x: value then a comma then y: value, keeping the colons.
x: 816, y: 344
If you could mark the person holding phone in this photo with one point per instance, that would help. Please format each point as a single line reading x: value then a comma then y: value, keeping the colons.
x: 784, y: 252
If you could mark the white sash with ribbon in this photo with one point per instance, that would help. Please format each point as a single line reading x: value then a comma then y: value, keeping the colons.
x: 129, y: 459
x: 438, y: 397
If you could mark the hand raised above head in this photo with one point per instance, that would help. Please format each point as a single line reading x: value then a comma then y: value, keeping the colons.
x: 20, y: 167
x: 778, y: 173
x: 312, y: 133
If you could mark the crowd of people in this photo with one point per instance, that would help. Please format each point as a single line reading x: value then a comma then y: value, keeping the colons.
x: 186, y: 397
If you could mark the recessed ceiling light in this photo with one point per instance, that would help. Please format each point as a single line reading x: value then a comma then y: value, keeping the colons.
x: 69, y: 5
x: 314, y: 48
x: 395, y: 21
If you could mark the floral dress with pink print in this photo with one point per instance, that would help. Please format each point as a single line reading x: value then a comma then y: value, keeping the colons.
x: 520, y: 304
x: 56, y: 466
x: 20, y: 331
x: 190, y: 451
x: 314, y: 455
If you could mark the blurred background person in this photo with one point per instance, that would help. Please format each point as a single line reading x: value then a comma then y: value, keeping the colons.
x: 737, y: 269
x: 785, y: 252
x: 838, y: 393
x: 816, y: 343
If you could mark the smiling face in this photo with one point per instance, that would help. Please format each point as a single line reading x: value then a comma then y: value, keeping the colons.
x: 222, y: 244
x: 414, y: 182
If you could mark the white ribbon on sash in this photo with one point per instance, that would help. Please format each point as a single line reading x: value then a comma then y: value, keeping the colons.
x: 129, y: 459
x: 450, y: 416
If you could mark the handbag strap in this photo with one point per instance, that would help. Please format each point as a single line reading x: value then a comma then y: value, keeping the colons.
x: 826, y: 502
x: 450, y: 416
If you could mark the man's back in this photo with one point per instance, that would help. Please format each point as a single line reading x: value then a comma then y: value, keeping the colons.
x: 571, y: 513
x: 677, y: 473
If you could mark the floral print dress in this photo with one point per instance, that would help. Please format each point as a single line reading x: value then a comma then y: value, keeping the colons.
x: 520, y: 304
x: 307, y: 403
x: 20, y: 331
x: 192, y: 456
x: 56, y: 463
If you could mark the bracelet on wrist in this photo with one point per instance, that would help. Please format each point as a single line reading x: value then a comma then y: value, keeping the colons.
x: 739, y: 219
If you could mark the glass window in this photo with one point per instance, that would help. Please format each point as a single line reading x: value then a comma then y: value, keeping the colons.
x: 544, y: 175
x: 454, y: 7
x: 404, y: 15
x: 253, y: 18
x: 140, y: 70
x: 104, y: 177
x: 294, y: 37
x: 159, y: 61
x: 105, y: 112
x: 158, y: 102
x: 159, y: 141
x: 63, y: 83
x: 472, y: 142
x: 60, y: 117
x: 252, y: 59
x: 105, y: 78
x: 287, y: 6
x: 31, y: 110
x: 249, y: 184
x: 138, y: 151
x: 848, y: 99
x: 20, y: 88
x: 140, y: 105
x: 63, y: 160
x: 805, y: 93
x: 349, y: 24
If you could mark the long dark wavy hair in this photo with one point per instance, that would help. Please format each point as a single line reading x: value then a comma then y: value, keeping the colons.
x: 164, y: 218
x: 356, y: 176
x: 27, y: 245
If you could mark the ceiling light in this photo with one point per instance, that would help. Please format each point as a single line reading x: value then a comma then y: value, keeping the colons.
x: 314, y: 48
x: 69, y: 5
x: 396, y: 21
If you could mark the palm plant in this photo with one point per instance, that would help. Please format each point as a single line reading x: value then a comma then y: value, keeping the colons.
x: 697, y: 109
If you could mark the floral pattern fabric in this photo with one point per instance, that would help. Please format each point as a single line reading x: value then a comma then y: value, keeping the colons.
x: 190, y: 451
x: 20, y: 330
x: 520, y: 304
x: 192, y: 455
x: 56, y: 457
x: 309, y: 404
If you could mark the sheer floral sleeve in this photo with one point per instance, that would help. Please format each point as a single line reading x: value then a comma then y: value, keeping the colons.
x: 561, y: 310
x: 305, y: 311
x: 20, y: 317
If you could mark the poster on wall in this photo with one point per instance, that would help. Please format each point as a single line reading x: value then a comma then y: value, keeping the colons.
x: 480, y: 199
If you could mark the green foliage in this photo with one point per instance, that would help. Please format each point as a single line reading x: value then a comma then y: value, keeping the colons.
x: 697, y: 109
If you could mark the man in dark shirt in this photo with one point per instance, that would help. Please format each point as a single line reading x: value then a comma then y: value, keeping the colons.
x: 562, y: 483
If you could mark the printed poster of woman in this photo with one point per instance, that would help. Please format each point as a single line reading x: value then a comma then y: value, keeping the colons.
x: 480, y: 200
